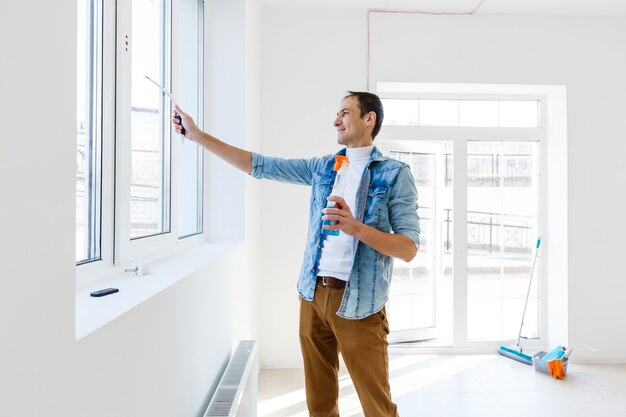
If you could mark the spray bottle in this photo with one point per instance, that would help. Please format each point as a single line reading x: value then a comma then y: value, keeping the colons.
x: 341, y: 168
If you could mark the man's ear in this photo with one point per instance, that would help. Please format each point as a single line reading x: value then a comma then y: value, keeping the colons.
x: 370, y: 120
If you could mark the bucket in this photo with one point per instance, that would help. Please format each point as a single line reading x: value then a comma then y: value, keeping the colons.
x: 542, y: 366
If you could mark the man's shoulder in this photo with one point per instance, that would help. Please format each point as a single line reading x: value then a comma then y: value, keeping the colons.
x: 388, y: 171
x: 324, y: 160
x: 386, y: 163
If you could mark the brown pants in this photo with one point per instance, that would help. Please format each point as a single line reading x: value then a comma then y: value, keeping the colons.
x: 363, y: 346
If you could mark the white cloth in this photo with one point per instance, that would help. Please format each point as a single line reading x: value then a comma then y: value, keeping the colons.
x: 337, y: 257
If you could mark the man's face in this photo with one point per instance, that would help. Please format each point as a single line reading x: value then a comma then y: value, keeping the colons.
x: 353, y: 131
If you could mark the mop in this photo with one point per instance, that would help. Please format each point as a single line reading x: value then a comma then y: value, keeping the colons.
x: 515, y: 352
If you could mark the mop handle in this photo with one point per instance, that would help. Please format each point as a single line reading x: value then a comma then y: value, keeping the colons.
x: 532, y: 271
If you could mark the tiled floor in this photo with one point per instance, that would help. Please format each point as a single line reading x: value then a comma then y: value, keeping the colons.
x: 466, y: 386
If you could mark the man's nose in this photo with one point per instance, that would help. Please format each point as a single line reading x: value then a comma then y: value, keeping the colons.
x: 337, y: 121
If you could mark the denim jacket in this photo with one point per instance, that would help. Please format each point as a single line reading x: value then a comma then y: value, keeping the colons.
x: 386, y: 200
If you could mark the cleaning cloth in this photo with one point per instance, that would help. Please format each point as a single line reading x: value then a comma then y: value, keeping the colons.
x: 556, y: 353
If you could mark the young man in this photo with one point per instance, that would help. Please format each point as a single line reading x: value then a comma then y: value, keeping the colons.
x: 344, y: 280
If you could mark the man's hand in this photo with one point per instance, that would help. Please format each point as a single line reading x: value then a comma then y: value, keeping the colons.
x: 342, y: 215
x: 390, y: 244
x: 186, y: 122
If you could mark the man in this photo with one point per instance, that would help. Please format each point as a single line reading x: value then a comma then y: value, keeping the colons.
x: 344, y: 280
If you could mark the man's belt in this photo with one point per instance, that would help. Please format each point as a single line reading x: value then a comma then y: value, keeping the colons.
x: 332, y: 282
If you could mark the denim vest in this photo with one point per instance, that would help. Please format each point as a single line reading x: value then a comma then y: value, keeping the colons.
x: 386, y: 200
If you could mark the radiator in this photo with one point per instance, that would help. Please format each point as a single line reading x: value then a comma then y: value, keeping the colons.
x: 236, y: 394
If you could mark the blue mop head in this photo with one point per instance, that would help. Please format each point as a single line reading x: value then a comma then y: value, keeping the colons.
x: 516, y: 355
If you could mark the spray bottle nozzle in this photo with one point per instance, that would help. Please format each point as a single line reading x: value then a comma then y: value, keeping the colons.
x: 339, y: 161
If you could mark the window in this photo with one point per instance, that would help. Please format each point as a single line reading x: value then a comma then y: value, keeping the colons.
x: 150, y: 55
x: 190, y: 85
x: 476, y: 163
x: 139, y: 188
x: 462, y: 113
x: 88, y: 131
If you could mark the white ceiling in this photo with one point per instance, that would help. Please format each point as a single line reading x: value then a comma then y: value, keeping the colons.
x: 528, y: 7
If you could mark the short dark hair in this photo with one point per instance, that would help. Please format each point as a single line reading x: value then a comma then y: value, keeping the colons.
x: 369, y: 102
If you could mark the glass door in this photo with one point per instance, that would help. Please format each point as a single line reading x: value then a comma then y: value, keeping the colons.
x: 420, y: 300
x: 502, y: 229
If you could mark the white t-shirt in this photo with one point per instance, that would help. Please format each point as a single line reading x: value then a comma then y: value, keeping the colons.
x: 337, y: 257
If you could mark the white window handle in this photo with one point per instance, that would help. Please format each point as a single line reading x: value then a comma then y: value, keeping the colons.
x: 139, y: 270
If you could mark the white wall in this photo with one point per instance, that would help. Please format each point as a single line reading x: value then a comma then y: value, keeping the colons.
x: 164, y: 357
x: 310, y: 57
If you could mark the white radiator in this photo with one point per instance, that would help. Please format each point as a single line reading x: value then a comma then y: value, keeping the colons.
x: 236, y: 394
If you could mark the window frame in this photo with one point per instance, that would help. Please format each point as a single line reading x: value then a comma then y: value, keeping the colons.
x: 185, y: 239
x: 127, y: 249
x: 117, y: 255
x: 94, y: 107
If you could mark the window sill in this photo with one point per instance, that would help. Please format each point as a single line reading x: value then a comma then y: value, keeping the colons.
x: 94, y: 312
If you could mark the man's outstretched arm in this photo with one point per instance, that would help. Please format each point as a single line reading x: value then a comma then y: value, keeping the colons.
x: 237, y: 157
